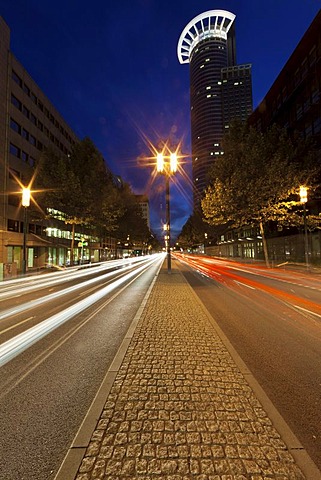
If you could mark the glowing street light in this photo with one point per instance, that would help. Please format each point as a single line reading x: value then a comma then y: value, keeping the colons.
x: 25, y: 203
x: 25, y: 196
x: 167, y: 165
x: 304, y: 199
x: 303, y: 194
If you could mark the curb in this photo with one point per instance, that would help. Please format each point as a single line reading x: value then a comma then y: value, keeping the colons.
x: 70, y: 465
x: 298, y: 452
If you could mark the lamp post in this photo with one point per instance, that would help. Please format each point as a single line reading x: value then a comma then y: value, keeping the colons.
x: 304, y: 199
x: 25, y: 203
x: 167, y: 168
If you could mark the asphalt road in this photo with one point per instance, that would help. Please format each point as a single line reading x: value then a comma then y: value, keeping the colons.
x: 273, y: 320
x: 46, y: 389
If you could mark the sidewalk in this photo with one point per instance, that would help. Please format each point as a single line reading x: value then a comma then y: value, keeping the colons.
x: 180, y: 407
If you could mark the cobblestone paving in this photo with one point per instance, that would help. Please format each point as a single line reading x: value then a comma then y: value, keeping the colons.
x: 179, y: 408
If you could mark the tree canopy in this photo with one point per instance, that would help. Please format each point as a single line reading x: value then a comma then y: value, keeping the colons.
x: 81, y: 186
x: 257, y: 179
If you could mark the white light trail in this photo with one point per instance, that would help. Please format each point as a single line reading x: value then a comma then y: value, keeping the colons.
x: 15, y: 286
x: 21, y: 342
x: 307, y: 311
x: 47, y: 298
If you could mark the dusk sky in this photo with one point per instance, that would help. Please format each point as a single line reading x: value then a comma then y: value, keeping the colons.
x: 111, y: 70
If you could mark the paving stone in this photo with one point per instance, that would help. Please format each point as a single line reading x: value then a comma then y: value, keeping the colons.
x: 179, y: 407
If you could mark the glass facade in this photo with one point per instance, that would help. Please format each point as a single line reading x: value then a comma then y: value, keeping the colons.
x: 219, y: 91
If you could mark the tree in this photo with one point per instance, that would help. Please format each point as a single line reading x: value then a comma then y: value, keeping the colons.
x: 258, y: 178
x: 131, y: 223
x: 82, y: 187
x: 61, y: 189
x: 193, y: 231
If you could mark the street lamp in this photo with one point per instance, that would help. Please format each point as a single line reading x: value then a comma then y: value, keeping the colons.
x: 25, y: 203
x: 304, y: 199
x: 167, y: 168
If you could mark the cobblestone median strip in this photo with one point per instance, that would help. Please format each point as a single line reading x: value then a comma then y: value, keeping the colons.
x: 180, y: 408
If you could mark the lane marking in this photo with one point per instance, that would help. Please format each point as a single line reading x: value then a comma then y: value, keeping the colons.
x: 244, y: 285
x: 307, y: 311
x: 62, y: 340
x: 16, y: 325
x: 13, y: 347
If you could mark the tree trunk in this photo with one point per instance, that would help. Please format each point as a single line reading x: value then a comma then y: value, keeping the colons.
x: 265, y: 248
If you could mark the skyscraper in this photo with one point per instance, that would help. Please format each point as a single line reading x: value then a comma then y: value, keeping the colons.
x: 220, y: 90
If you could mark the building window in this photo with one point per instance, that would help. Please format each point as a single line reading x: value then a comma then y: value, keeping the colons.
x: 33, y: 119
x: 16, y: 78
x: 308, y: 130
x: 15, y: 126
x: 32, y: 161
x: 16, y: 102
x: 15, y: 150
x: 313, y: 55
x: 315, y: 94
x: 299, y: 111
x: 25, y: 134
x: 33, y: 97
x: 24, y: 156
x: 25, y: 111
x: 13, y: 225
x: 317, y: 126
x: 26, y: 89
x: 32, y: 140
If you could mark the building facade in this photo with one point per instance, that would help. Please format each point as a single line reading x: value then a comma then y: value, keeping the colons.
x: 143, y: 202
x: 29, y: 123
x: 293, y: 102
x: 220, y: 90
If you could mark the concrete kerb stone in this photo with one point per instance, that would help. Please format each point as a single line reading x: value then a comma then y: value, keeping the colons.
x: 183, y: 405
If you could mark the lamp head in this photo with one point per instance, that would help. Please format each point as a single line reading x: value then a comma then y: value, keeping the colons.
x: 303, y: 194
x: 25, y: 196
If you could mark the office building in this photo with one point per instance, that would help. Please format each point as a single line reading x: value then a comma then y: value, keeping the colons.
x: 143, y: 203
x: 294, y: 99
x: 220, y: 90
x: 293, y: 102
x: 29, y: 123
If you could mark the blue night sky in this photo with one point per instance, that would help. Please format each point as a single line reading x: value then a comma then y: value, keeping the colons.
x: 111, y: 69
